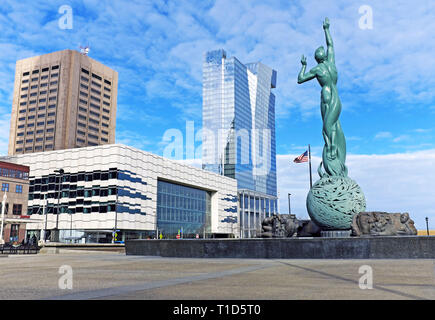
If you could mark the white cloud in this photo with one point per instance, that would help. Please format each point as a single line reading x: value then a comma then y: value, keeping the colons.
x: 383, y: 135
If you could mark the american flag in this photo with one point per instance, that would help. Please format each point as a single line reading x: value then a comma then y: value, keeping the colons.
x: 302, y: 158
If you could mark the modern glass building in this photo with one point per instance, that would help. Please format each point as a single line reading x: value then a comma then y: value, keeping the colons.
x: 239, y: 132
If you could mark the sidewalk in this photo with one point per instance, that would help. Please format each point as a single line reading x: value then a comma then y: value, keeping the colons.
x: 108, y: 275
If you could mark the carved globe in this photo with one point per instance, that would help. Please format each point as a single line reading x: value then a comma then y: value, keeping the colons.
x: 332, y: 202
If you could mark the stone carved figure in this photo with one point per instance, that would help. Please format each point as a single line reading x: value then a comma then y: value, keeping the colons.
x: 335, y: 198
x: 382, y: 224
x: 279, y: 226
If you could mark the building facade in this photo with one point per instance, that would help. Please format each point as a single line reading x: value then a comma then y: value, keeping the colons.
x: 62, y: 100
x: 239, y: 133
x: 110, y: 189
x: 14, y: 181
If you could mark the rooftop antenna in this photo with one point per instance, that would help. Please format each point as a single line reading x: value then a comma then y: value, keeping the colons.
x: 84, y: 50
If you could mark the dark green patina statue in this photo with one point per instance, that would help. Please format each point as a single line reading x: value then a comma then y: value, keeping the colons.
x: 335, y: 198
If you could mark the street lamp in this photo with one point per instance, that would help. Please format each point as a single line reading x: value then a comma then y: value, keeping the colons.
x: 56, y: 230
x: 3, y: 217
x: 427, y: 225
x: 289, y: 210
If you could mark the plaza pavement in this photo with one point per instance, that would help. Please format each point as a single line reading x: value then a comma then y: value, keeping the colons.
x: 109, y: 275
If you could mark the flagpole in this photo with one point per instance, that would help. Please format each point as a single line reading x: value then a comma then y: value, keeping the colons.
x: 309, y: 162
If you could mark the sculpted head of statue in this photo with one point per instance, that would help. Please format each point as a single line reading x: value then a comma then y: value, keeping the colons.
x: 320, y: 54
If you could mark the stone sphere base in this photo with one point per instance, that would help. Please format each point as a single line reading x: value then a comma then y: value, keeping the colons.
x: 332, y: 202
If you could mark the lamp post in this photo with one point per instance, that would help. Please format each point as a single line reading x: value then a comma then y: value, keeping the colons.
x: 44, y: 213
x: 427, y: 225
x: 55, y: 235
x: 3, y: 218
x: 289, y: 209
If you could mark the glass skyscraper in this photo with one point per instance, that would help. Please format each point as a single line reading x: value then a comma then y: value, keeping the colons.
x: 239, y: 132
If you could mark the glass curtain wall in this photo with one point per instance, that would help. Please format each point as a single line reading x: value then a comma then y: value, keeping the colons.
x: 182, y: 210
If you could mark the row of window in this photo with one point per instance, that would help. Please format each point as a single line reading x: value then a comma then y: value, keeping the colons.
x: 37, y: 148
x: 36, y: 71
x: 42, y: 85
x: 40, y: 131
x: 13, y: 173
x: 18, y: 187
x: 34, y: 94
x: 16, y: 208
x: 53, y: 75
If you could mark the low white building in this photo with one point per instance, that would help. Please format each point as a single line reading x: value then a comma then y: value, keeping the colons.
x: 100, y: 189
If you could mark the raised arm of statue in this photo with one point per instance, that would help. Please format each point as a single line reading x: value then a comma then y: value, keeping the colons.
x: 302, y: 77
x: 329, y: 43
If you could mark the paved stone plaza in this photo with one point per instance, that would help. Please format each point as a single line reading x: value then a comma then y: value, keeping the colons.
x: 110, y: 275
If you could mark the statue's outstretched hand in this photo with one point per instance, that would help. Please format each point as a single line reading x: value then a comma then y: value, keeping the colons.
x: 304, y: 60
x: 326, y: 23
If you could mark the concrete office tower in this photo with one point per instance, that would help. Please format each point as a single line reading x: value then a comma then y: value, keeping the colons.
x: 62, y: 100
x: 239, y: 132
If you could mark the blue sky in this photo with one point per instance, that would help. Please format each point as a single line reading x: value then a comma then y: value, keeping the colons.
x: 386, y: 80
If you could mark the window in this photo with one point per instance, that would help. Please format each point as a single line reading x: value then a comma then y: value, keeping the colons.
x: 44, y: 70
x: 107, y: 81
x: 94, y: 105
x: 85, y: 71
x: 19, y: 188
x: 17, y: 209
x: 54, y: 67
x: 5, y: 187
x: 95, y: 91
x: 13, y: 236
x: 96, y: 76
x: 25, y: 74
x: 96, y: 84
x: 35, y: 71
